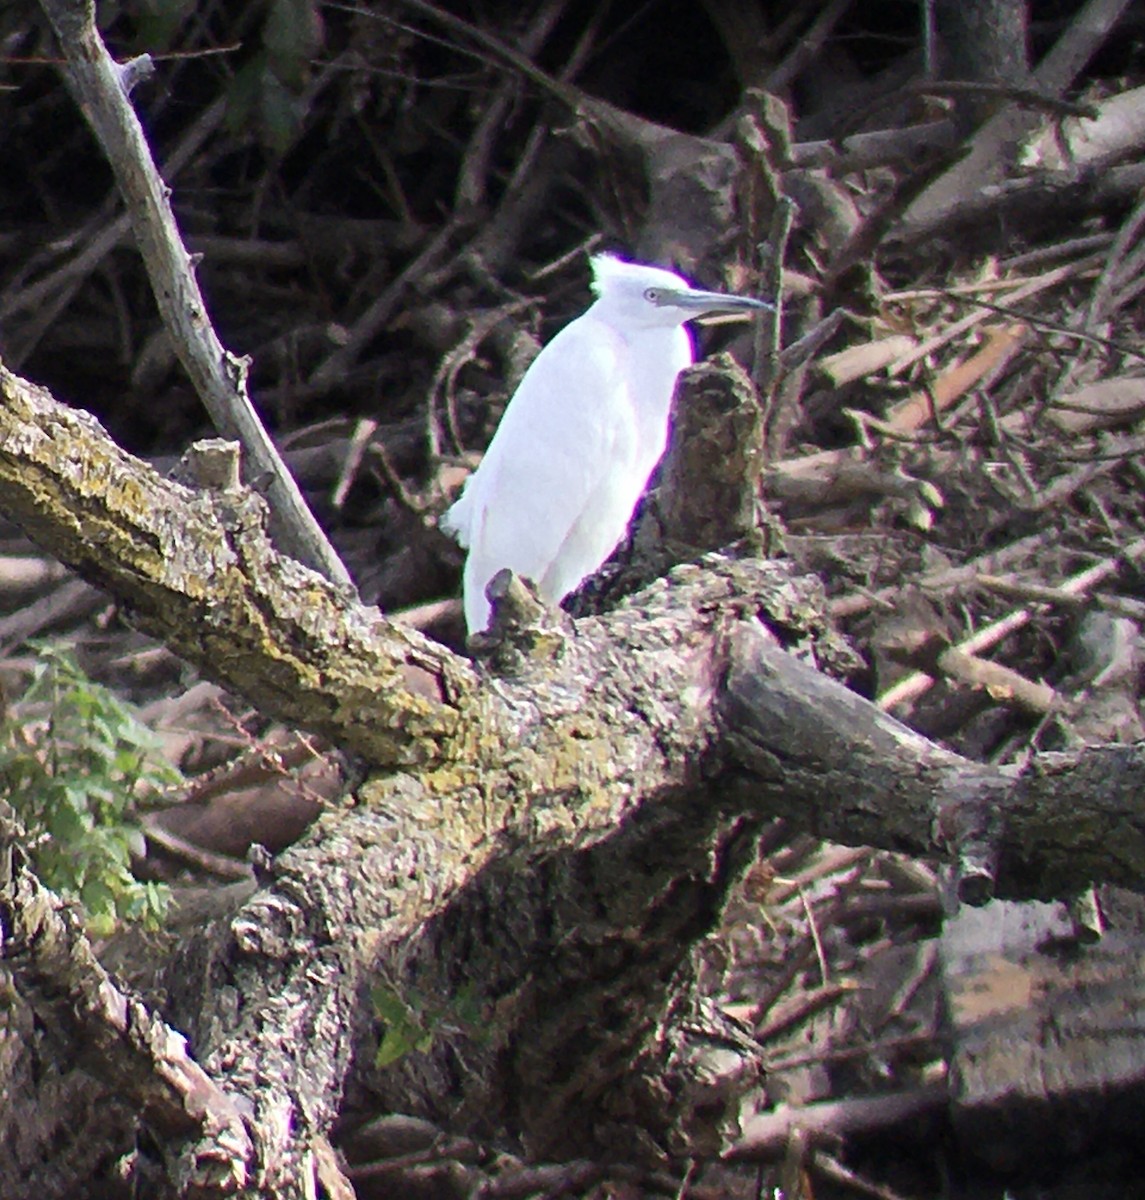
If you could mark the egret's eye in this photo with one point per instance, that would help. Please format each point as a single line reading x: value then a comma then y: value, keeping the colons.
x: 652, y: 295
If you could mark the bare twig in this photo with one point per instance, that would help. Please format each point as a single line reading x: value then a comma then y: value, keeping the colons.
x: 916, y: 684
x: 766, y: 1134
x: 98, y: 84
x: 375, y: 317
x: 143, y: 1058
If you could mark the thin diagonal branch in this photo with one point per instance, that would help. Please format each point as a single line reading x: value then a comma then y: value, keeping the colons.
x: 100, y: 87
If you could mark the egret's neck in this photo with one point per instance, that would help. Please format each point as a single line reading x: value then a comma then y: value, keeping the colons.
x: 657, y: 356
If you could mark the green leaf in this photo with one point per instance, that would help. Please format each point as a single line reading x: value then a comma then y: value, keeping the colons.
x: 72, y: 755
x: 405, y: 1030
x: 292, y: 36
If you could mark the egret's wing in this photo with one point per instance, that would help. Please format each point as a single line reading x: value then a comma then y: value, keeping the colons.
x: 651, y: 370
x: 568, y: 423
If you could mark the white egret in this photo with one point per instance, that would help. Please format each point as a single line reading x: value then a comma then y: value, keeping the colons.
x: 570, y: 459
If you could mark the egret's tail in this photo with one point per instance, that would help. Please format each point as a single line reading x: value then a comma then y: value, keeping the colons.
x: 457, y: 519
x: 477, y: 611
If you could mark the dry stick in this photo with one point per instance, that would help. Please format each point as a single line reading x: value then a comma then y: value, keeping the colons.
x: 375, y: 317
x: 1086, y: 32
x: 144, y: 1058
x: 920, y: 407
x: 1027, y: 97
x: 767, y: 372
x: 1114, y: 268
x: 1056, y: 327
x: 100, y: 235
x: 47, y: 297
x: 100, y: 87
x: 835, y: 861
x: 916, y: 684
x: 766, y: 1134
x: 853, y: 604
x: 444, y: 383
x: 497, y: 51
x: 1019, y: 589
x: 864, y: 1049
x: 489, y: 246
x: 1127, y: 294
x: 475, y: 166
x: 1070, y: 248
x: 21, y: 574
x: 806, y: 48
x: 960, y: 193
x: 837, y: 1172
x: 979, y: 287
x: 1030, y: 288
x: 71, y: 600
x: 222, y: 866
x: 786, y: 1017
x: 999, y: 680
x: 831, y: 467
x: 364, y: 429
x: 863, y: 151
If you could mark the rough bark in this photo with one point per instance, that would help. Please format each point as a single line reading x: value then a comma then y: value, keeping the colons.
x: 986, y: 42
x: 542, y: 841
x: 197, y: 571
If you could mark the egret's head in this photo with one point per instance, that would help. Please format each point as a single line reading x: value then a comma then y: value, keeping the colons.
x: 636, y: 296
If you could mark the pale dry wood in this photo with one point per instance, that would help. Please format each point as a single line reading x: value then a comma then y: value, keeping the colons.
x: 865, y: 358
x: 1004, y: 684
x: 970, y: 188
x: 1000, y: 347
x: 23, y: 573
x: 1097, y: 143
x: 1104, y: 404
x: 1046, y: 1036
x: 766, y: 1134
x: 1023, y: 291
x: 915, y: 684
x: 862, y: 151
x: 101, y: 88
x: 832, y: 476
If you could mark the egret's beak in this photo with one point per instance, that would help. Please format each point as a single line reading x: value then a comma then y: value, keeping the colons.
x: 699, y: 302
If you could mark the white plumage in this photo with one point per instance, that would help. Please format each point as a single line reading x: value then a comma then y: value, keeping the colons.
x: 554, y: 493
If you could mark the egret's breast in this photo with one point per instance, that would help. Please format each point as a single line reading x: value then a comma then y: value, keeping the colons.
x: 655, y: 359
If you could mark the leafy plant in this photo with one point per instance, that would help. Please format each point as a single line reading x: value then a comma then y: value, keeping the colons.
x: 407, y: 1026
x: 411, y: 1021
x: 74, y: 762
x: 268, y: 92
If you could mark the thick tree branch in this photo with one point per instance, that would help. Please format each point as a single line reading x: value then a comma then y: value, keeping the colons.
x: 837, y: 765
x: 197, y: 571
x: 557, y: 839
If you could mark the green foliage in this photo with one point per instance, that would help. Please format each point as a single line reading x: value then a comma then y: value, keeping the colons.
x: 74, y: 760
x: 406, y: 1028
x: 268, y: 90
x: 411, y: 1021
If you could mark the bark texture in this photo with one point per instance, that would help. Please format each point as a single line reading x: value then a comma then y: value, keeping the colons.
x: 543, y: 840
